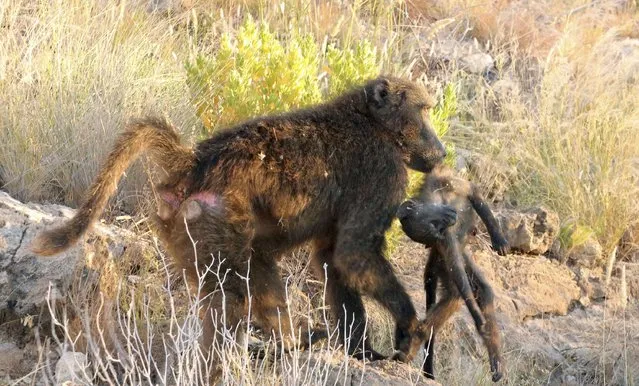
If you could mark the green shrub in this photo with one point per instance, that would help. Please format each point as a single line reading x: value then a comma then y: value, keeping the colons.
x: 572, y: 235
x: 253, y: 73
x: 351, y: 66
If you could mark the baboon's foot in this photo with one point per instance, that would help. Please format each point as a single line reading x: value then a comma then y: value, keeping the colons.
x: 306, y: 340
x: 400, y: 356
x: 368, y: 354
x: 496, y: 369
x: 261, y: 349
x: 481, y: 327
x: 406, y: 352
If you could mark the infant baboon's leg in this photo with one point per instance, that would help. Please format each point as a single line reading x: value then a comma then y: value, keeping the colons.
x: 437, y: 315
x: 485, y: 298
x: 431, y: 276
x: 346, y: 304
x: 454, y: 261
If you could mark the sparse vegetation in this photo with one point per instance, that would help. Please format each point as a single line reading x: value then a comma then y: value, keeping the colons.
x: 554, y: 122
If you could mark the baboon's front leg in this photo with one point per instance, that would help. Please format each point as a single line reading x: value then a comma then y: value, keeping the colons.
x: 346, y: 304
x: 363, y: 268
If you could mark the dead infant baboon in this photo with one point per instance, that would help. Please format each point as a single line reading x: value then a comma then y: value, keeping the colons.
x: 333, y: 174
x: 449, y: 262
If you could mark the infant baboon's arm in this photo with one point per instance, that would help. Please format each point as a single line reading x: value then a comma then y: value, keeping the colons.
x: 499, y: 242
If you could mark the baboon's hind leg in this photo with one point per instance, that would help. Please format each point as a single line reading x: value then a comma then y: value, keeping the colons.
x: 269, y: 306
x: 431, y: 276
x: 222, y: 314
x: 485, y: 298
x: 454, y: 263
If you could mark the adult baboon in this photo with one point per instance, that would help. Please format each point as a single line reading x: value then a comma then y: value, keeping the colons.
x: 449, y: 262
x: 333, y: 174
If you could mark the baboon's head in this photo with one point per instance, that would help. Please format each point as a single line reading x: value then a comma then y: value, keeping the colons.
x: 425, y: 222
x: 403, y: 107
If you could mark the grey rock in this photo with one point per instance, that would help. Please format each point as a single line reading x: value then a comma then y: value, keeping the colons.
x: 73, y: 369
x: 587, y: 254
x: 529, y: 286
x: 466, y: 55
x: 591, y: 284
x: 27, y: 279
x: 10, y: 357
x: 530, y: 231
x: 477, y: 63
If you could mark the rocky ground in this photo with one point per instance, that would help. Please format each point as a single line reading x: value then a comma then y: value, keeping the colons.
x: 561, y: 324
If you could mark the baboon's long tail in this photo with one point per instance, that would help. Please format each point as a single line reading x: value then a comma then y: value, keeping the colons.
x: 153, y: 135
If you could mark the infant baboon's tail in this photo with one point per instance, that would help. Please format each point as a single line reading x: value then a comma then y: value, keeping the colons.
x: 152, y: 135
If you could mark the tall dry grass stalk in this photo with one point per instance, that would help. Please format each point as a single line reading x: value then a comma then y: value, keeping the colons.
x: 580, y: 155
x: 71, y: 74
x: 568, y: 127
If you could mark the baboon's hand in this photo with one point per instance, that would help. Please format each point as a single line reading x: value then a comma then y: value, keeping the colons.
x: 500, y: 245
x: 445, y: 216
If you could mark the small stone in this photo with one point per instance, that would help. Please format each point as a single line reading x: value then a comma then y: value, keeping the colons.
x: 530, y: 231
x: 588, y: 254
x: 477, y: 63
x: 10, y: 357
x: 72, y: 369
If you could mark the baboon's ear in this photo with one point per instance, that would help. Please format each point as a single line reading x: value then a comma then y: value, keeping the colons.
x: 380, y: 93
x: 193, y: 210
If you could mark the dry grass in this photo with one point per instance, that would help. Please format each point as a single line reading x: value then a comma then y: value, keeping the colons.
x: 564, y: 135
x: 145, y: 330
x: 71, y: 76
x: 558, y: 126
